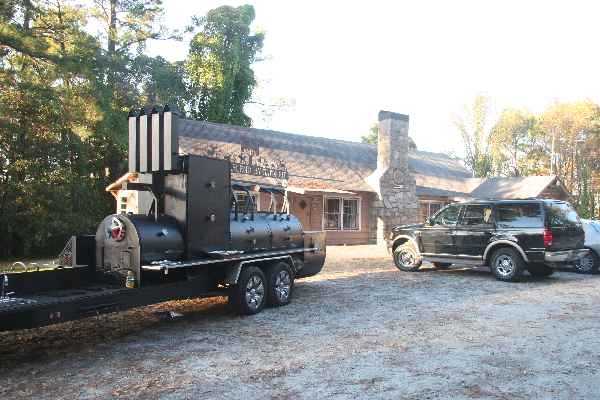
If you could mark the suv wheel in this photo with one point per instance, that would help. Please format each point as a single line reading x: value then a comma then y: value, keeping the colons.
x: 587, y: 264
x: 507, y: 264
x: 407, y: 258
x: 540, y: 270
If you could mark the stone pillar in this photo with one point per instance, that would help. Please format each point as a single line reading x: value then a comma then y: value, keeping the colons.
x: 396, y: 201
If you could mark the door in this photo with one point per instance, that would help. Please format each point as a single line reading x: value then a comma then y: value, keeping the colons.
x: 436, y: 236
x: 474, y: 230
x: 306, y: 209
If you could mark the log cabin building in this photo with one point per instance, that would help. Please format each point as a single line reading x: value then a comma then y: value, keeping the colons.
x: 354, y: 191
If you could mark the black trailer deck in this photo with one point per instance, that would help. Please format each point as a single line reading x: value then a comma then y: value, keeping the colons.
x: 34, y: 310
x: 53, y: 296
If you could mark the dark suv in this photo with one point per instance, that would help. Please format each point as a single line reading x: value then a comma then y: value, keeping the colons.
x: 509, y: 236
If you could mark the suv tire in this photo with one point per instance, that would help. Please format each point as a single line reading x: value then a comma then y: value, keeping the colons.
x: 507, y: 264
x: 441, y: 265
x: 588, y: 264
x: 407, y: 258
x: 540, y: 270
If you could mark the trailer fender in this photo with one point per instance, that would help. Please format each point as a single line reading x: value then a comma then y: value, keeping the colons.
x: 232, y: 274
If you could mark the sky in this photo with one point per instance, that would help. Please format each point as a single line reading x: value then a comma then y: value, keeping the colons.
x: 337, y: 63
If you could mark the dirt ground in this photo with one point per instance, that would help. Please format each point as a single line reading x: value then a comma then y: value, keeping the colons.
x: 360, y: 329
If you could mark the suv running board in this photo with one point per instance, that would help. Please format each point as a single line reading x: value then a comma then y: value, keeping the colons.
x: 451, y: 259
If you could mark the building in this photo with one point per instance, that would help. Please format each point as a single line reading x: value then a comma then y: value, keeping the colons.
x: 354, y: 191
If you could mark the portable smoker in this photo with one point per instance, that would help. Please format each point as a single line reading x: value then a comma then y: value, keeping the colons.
x: 196, y: 240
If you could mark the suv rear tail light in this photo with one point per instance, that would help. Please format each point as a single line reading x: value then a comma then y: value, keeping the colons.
x: 548, y: 237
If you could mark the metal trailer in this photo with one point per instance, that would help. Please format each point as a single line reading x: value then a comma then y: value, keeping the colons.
x: 195, y: 241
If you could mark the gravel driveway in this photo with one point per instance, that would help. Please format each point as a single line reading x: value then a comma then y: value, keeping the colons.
x: 360, y: 329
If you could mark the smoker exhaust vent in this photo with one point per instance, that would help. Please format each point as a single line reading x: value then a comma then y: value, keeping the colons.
x: 153, y: 139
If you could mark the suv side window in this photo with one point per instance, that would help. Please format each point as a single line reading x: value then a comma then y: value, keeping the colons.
x: 561, y: 214
x: 525, y: 215
x: 477, y: 214
x: 447, y: 216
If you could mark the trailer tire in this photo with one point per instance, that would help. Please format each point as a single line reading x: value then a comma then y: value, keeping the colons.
x: 280, y: 284
x: 249, y: 295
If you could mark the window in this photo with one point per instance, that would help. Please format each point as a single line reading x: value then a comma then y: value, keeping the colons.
x: 341, y: 214
x: 448, y: 216
x: 123, y: 203
x: 429, y: 208
x: 242, y: 197
x: 562, y: 214
x: 350, y: 214
x: 477, y: 214
x: 527, y: 215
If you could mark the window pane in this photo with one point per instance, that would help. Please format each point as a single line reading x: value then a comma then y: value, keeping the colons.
x: 562, y: 214
x: 477, y: 215
x: 448, y: 216
x: 350, y: 214
x: 433, y: 208
x: 332, y: 214
x: 519, y: 216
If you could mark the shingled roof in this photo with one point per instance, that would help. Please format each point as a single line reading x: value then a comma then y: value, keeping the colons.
x: 513, y: 187
x: 316, y: 162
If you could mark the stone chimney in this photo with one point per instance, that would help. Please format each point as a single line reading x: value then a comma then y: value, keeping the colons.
x: 395, y: 185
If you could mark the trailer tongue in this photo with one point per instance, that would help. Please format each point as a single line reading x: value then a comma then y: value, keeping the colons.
x: 196, y: 240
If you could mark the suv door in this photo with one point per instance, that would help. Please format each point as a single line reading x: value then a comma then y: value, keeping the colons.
x: 474, y: 229
x: 436, y: 236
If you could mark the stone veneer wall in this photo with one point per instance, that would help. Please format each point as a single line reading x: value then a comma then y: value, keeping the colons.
x: 396, y: 201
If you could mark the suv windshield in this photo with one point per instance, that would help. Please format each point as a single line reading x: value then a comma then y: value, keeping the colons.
x: 561, y: 214
x: 526, y: 215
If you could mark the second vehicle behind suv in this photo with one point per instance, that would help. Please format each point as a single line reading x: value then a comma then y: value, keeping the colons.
x: 509, y: 236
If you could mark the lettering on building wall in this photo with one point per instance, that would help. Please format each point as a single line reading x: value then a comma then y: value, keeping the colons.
x: 248, y: 160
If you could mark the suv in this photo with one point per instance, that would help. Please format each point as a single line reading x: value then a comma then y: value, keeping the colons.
x: 509, y: 236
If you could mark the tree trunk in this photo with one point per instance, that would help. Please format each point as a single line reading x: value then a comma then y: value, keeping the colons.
x: 112, y: 28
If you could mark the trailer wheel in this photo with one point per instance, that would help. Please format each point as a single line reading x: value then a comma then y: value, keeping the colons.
x: 281, y: 284
x: 249, y: 295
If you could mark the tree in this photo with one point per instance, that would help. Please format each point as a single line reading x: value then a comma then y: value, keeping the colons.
x: 473, y: 128
x: 571, y: 133
x: 511, y: 140
x: 46, y: 112
x: 371, y: 137
x: 219, y: 65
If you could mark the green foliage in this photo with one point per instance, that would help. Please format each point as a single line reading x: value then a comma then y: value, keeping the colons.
x: 65, y: 94
x: 219, y: 64
x: 474, y: 132
x: 371, y: 137
x: 511, y: 138
x: 564, y: 141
